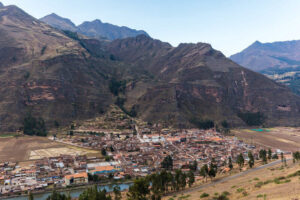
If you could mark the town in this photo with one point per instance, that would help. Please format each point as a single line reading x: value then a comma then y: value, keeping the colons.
x: 123, y: 156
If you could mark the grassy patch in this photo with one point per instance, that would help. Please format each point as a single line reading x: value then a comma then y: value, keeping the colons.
x: 184, y: 197
x: 203, y: 195
x: 239, y: 190
x: 5, y: 135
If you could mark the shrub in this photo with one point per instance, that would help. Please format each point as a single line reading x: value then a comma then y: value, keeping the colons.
x: 239, y: 190
x: 203, y: 195
x: 259, y: 184
x: 245, y: 193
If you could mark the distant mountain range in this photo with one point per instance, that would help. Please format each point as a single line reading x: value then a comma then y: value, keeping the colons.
x: 95, y: 29
x: 62, y: 77
x: 279, y: 61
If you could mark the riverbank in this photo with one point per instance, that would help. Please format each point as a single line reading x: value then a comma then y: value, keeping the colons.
x: 74, y: 191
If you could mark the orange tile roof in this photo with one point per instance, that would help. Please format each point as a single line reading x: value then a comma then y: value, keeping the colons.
x: 78, y: 175
x: 103, y: 168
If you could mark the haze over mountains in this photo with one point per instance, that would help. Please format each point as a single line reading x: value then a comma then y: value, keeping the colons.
x: 62, y: 77
x: 94, y: 29
x: 278, y: 60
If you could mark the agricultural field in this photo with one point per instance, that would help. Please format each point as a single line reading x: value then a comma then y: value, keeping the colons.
x: 284, y: 138
x: 15, y: 149
x: 274, y: 182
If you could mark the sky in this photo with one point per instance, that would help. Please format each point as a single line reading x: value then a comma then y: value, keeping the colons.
x: 228, y: 25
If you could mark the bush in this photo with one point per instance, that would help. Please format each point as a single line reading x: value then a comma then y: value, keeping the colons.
x: 259, y: 184
x: 203, y: 195
x: 239, y: 190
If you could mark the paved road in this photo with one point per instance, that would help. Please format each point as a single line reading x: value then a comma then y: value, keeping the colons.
x: 228, y: 178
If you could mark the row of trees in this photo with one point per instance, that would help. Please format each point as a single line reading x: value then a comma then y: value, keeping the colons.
x: 92, y: 193
x: 209, y: 171
x: 161, y: 183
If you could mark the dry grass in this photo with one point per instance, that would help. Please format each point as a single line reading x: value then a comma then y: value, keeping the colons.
x: 247, y: 186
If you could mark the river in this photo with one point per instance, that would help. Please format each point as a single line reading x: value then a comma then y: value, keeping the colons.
x: 74, y: 193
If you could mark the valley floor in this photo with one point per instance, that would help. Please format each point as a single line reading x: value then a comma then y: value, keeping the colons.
x: 284, y: 138
x: 25, y: 148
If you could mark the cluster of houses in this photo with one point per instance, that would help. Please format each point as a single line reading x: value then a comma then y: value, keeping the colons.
x: 62, y: 171
x: 124, y: 155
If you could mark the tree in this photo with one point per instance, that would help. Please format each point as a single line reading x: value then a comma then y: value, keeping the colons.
x: 204, y: 171
x: 30, y: 196
x: 167, y: 163
x: 182, y: 181
x: 225, y: 124
x: 282, y: 157
x: 191, y: 178
x: 251, y: 159
x: 296, y: 156
x: 33, y: 126
x: 103, y: 152
x: 93, y: 193
x: 57, y: 196
x: 269, y: 154
x: 263, y: 155
x: 230, y: 163
x: 240, y: 160
x: 117, y: 193
x: 139, y: 190
x: 194, y: 166
x: 212, y: 172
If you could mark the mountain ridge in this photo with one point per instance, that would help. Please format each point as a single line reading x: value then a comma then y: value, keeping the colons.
x: 63, y: 78
x: 279, y: 61
x: 94, y: 29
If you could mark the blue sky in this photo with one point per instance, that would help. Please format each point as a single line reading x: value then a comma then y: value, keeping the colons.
x: 228, y: 25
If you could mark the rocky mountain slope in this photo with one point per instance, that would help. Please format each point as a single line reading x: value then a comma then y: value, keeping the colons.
x: 45, y: 72
x: 61, y: 77
x: 194, y: 82
x: 279, y: 61
x: 94, y: 29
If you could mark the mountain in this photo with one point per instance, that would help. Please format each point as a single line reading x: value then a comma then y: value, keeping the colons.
x: 59, y: 22
x: 193, y: 82
x: 45, y: 72
x: 95, y: 29
x: 279, y: 61
x: 63, y: 78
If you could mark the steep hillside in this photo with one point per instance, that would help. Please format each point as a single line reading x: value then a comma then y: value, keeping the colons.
x: 45, y: 72
x: 279, y: 61
x: 61, y: 77
x: 94, y: 29
x: 194, y: 82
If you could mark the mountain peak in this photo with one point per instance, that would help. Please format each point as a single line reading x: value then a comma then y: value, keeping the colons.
x: 97, y: 21
x: 257, y: 43
x: 59, y: 22
x: 1, y: 4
